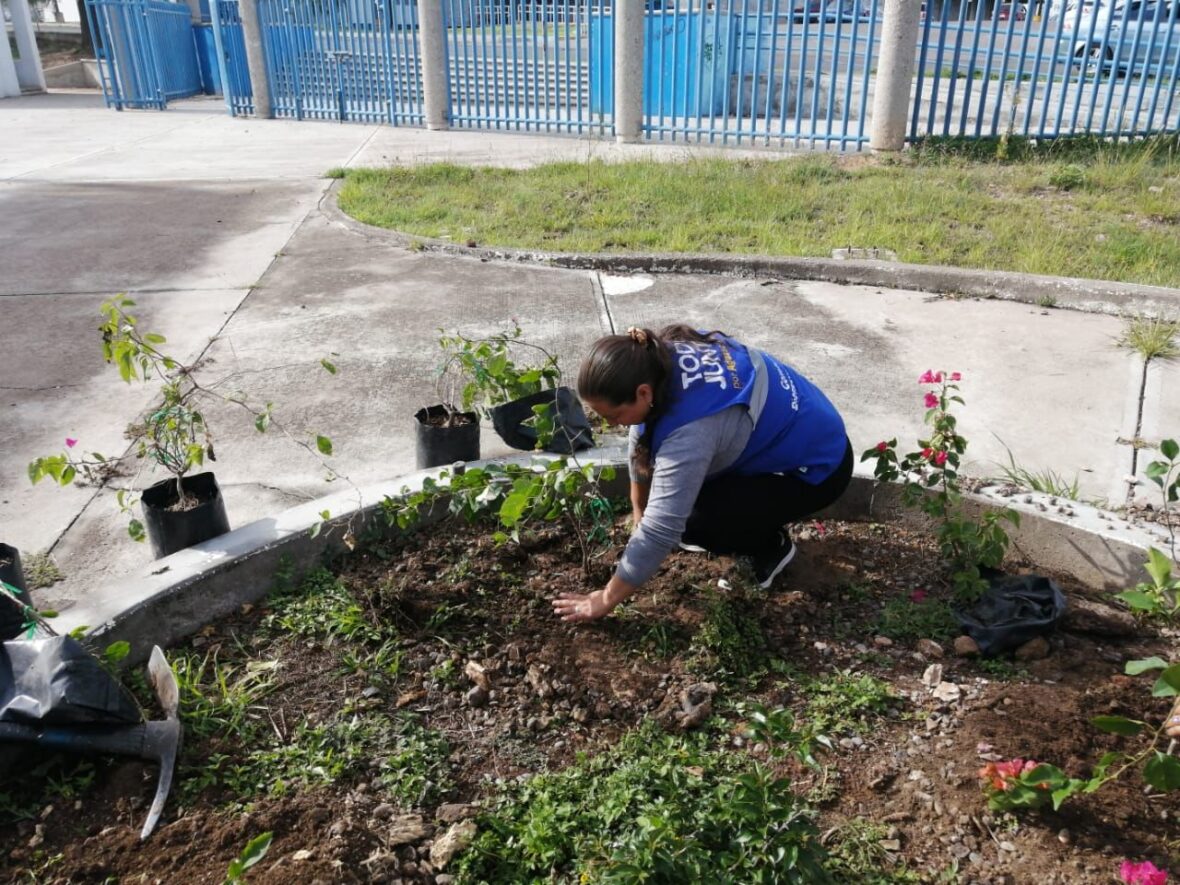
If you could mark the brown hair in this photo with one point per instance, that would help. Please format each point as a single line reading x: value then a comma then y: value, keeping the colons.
x: 618, y: 364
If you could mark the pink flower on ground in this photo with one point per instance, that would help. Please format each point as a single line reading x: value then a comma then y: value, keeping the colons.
x: 931, y: 400
x: 820, y: 528
x: 955, y: 376
x: 918, y: 595
x: 940, y: 458
x: 1144, y: 873
x: 70, y: 443
x: 997, y: 774
x: 882, y: 446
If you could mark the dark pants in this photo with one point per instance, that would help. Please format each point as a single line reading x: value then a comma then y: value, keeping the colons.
x: 744, y: 514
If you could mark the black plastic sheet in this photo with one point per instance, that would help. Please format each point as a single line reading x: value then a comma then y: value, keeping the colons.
x: 56, y: 681
x: 1011, y: 611
x: 571, y: 431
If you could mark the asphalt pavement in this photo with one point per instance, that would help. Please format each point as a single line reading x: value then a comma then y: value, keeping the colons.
x: 225, y: 233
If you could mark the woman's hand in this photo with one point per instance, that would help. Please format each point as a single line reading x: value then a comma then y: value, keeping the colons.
x: 581, y: 607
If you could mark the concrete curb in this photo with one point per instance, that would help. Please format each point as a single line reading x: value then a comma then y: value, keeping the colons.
x: 1071, y: 293
x: 174, y: 597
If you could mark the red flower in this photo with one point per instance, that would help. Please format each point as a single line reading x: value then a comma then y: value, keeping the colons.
x: 70, y: 443
x: 955, y: 376
x: 927, y: 377
x: 940, y: 458
x: 931, y: 400
x: 1144, y: 873
x: 927, y: 453
x: 882, y: 446
x: 918, y: 595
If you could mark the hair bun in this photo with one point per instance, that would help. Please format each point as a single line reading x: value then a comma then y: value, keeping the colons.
x: 639, y: 336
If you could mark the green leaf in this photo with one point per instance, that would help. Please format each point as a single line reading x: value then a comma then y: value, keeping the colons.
x: 1158, y: 566
x: 1169, y: 448
x: 254, y: 851
x: 1137, y: 600
x: 1117, y: 725
x: 1162, y: 772
x: 324, y: 445
x: 262, y: 422
x: 1134, y: 668
x: 1168, y: 684
x: 135, y: 530
x: 154, y: 338
x: 329, y: 367
x: 513, y: 507
x: 116, y: 651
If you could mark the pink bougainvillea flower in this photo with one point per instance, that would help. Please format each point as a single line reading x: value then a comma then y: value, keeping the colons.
x: 70, y: 443
x: 820, y: 528
x: 918, y: 595
x: 999, y: 775
x: 882, y: 446
x: 929, y: 377
x: 940, y: 458
x: 927, y: 454
x: 1143, y: 873
x: 955, y: 376
x: 931, y: 400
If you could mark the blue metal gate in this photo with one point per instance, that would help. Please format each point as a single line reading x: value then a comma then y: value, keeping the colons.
x: 1110, y: 68
x: 147, y: 54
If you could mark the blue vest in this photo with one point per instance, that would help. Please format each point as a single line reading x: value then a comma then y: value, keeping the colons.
x: 797, y: 430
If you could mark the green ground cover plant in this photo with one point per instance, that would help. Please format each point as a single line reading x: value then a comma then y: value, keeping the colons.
x: 1085, y: 209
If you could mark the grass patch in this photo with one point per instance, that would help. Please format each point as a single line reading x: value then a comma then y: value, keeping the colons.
x: 904, y: 620
x: 729, y: 644
x: 856, y: 855
x: 1048, y: 480
x: 1152, y: 338
x: 846, y: 702
x: 653, y: 808
x: 40, y: 571
x: 935, y: 206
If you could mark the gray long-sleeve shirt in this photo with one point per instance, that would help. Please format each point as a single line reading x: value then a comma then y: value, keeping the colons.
x: 688, y: 456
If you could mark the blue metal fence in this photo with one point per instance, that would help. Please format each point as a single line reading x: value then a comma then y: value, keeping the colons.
x: 1108, y: 68
x: 525, y: 66
x: 146, y: 51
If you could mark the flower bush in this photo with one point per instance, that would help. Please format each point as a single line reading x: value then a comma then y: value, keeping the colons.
x: 1017, y: 783
x: 1142, y: 873
x: 931, y: 476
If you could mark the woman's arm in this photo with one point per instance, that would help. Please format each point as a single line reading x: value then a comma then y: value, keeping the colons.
x: 591, y: 606
x: 639, y: 493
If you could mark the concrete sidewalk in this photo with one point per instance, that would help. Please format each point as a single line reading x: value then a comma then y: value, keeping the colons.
x: 222, y: 231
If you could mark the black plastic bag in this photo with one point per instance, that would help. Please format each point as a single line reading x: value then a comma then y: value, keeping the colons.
x: 1011, y: 611
x: 571, y: 428
x: 55, y: 681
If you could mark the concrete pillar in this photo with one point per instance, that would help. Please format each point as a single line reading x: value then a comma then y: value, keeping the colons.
x: 9, y: 84
x: 255, y: 58
x: 28, y: 69
x: 432, y: 36
x: 895, y: 75
x: 628, y: 69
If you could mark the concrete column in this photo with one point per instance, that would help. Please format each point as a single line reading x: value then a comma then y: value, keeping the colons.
x: 28, y: 69
x: 436, y: 98
x: 255, y: 58
x: 895, y: 75
x: 9, y: 84
x: 628, y: 69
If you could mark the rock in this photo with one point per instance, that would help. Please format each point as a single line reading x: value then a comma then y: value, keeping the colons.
x: 930, y: 648
x: 451, y: 842
x: 384, y: 811
x: 537, y: 680
x: 933, y: 676
x: 1064, y: 837
x: 1087, y: 616
x: 443, y: 879
x: 602, y: 710
x: 406, y: 829
x: 890, y: 844
x: 302, y: 854
x: 966, y: 647
x: 688, y: 708
x: 1008, y: 846
x: 476, y: 697
x: 452, y: 812
x: 947, y: 692
x: 882, y: 641
x: 580, y: 715
x: 1034, y: 650
x: 477, y: 674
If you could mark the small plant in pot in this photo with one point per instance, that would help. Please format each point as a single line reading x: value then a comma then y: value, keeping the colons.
x: 527, y: 405
x: 186, y: 508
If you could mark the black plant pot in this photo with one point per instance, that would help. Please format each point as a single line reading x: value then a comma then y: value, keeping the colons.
x: 445, y: 436
x: 11, y: 617
x: 571, y: 430
x: 171, y: 529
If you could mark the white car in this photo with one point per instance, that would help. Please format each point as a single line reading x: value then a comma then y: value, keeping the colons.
x: 1139, y: 37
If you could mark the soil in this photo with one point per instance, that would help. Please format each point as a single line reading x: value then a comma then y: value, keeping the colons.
x: 60, y: 49
x: 557, y: 690
x: 449, y: 418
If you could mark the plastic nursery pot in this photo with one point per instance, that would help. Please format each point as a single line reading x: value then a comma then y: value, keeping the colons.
x: 171, y: 527
x: 571, y: 427
x: 11, y: 618
x: 445, y: 436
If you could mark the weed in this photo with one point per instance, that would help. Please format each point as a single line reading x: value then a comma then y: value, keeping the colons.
x: 729, y: 643
x: 1161, y: 597
x: 323, y: 608
x: 40, y: 570
x: 254, y: 851
x: 34, y: 785
x: 1048, y: 480
x: 1047, y: 301
x: 1067, y: 177
x: 904, y: 620
x: 845, y: 702
x: 856, y: 855
x: 221, y: 699
x: 1153, y: 338
x: 655, y: 807
x: 336, y: 172
x: 998, y: 668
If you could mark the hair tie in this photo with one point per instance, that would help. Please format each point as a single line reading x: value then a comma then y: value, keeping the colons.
x: 639, y: 336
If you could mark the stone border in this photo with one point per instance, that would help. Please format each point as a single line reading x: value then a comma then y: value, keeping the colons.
x: 1072, y: 293
x: 172, y: 598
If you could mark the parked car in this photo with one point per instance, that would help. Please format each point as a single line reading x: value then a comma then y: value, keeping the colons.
x: 1142, y: 36
x: 809, y: 10
x: 1007, y: 10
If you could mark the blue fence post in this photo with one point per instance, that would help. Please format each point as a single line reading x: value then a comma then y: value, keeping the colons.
x: 219, y: 48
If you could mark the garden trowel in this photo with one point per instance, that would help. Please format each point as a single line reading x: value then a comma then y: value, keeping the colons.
x: 156, y: 741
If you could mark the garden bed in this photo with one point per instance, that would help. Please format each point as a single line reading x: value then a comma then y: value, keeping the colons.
x: 360, y: 716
